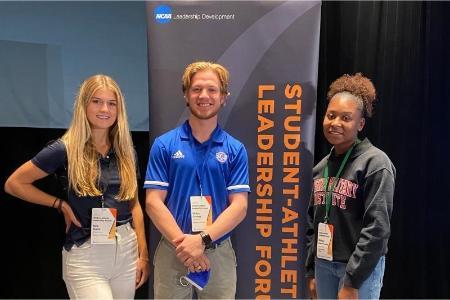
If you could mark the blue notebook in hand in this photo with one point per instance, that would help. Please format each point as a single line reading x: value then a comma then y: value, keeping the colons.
x: 198, y: 279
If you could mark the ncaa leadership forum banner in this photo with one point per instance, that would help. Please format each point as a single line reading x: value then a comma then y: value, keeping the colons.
x: 271, y: 50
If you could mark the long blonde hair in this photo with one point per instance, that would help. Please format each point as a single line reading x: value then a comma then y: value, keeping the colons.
x: 83, y: 160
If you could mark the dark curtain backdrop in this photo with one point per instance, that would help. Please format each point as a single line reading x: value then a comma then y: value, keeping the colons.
x: 403, y: 47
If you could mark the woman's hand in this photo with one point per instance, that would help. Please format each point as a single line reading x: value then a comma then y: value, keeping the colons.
x: 69, y: 216
x: 311, y: 284
x: 142, y: 271
x: 347, y: 292
x: 142, y: 264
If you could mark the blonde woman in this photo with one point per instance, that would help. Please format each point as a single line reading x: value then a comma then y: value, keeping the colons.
x: 105, y: 252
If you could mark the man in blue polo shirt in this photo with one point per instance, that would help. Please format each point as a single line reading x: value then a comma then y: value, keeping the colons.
x: 197, y: 188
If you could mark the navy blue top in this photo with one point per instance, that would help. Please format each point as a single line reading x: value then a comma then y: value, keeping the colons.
x: 177, y: 162
x: 53, y: 159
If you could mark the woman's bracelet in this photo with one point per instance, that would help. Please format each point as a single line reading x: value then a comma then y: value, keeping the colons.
x: 144, y: 259
x: 54, y: 202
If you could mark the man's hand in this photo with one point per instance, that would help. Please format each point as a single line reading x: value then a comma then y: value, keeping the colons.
x: 200, y: 265
x: 189, y: 248
x: 348, y: 292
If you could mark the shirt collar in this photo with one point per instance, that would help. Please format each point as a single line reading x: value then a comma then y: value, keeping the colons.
x: 218, y: 135
x: 111, y: 154
x: 358, y: 150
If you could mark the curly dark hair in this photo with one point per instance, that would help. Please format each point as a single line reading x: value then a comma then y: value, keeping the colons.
x: 357, y: 85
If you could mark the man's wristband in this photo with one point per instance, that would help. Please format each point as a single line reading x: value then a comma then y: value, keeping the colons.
x: 206, y: 239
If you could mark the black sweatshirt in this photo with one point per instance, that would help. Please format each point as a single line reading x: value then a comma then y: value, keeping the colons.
x: 361, y: 210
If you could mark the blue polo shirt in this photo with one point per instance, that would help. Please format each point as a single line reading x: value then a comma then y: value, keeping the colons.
x: 53, y: 159
x: 177, y: 162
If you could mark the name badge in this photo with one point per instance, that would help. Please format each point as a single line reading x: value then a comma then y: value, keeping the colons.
x: 325, y: 241
x: 201, y: 212
x: 103, y: 226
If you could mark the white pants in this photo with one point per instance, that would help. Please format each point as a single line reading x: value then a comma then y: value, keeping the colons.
x: 102, y: 271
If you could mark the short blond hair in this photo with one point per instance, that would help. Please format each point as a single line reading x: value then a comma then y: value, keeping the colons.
x: 195, y: 67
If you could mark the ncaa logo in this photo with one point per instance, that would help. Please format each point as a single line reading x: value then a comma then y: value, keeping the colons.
x: 163, y: 14
x: 221, y: 157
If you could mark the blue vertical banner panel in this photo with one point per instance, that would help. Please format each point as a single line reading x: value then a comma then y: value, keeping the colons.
x: 271, y: 50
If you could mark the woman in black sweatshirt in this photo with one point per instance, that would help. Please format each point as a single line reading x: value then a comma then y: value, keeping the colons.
x: 351, y: 204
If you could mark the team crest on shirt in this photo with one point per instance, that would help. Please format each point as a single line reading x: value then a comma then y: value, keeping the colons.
x: 221, y: 157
